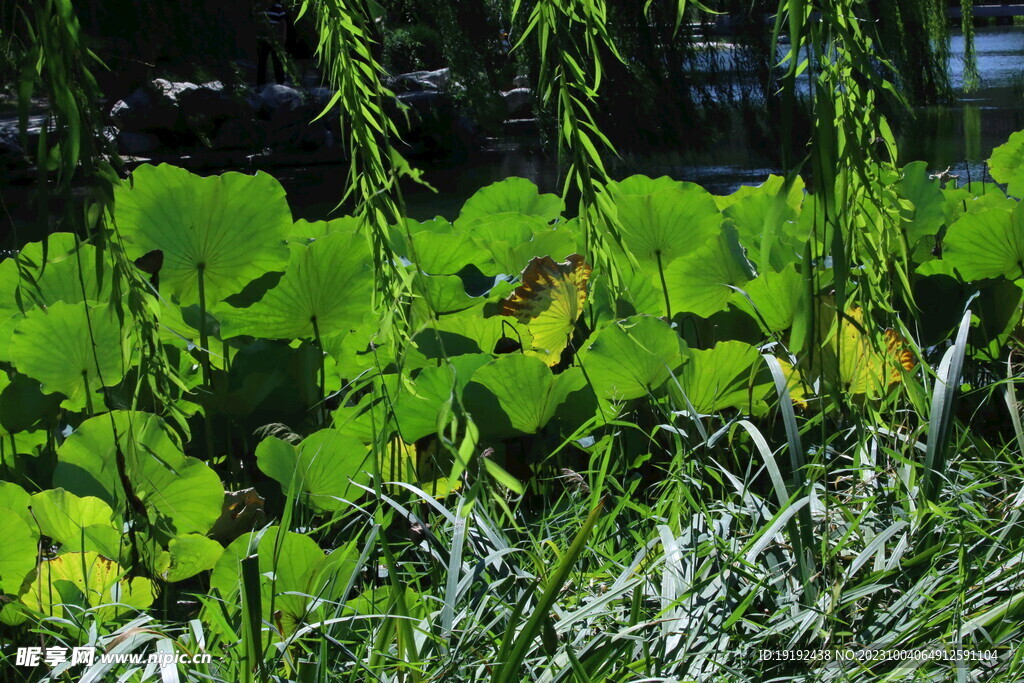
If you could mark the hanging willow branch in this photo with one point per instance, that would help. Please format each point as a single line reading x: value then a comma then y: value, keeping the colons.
x: 346, y: 54
x: 570, y: 36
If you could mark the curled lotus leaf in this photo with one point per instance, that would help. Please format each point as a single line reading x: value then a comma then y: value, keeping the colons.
x: 548, y: 301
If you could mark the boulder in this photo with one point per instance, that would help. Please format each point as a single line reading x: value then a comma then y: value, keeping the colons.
x: 518, y: 102
x: 152, y: 108
x: 212, y: 104
x: 275, y: 98
x: 419, y: 81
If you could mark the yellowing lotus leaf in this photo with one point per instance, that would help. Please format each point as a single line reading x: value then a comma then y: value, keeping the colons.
x: 89, y: 578
x: 863, y: 369
x: 549, y: 301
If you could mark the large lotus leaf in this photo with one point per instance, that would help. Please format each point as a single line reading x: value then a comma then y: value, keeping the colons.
x: 23, y: 406
x: 181, y: 494
x: 20, y: 545
x: 466, y: 332
x: 87, y: 340
x: 927, y: 210
x: 8, y: 321
x: 641, y: 185
x: 512, y: 195
x: 304, y: 231
x: 764, y: 225
x: 865, y: 366
x: 699, y: 283
x: 632, y: 358
x: 321, y: 469
x: 987, y: 244
x: 998, y: 309
x: 328, y: 284
x: 638, y: 293
x: 1007, y: 164
x: 440, y: 253
x: 975, y: 198
x: 772, y: 298
x: 15, y: 498
x: 526, y: 390
x: 191, y: 554
x: 420, y: 401
x: 230, y: 228
x: 508, y: 257
x: 78, y: 524
x: 729, y: 375
x: 294, y: 566
x: 442, y: 293
x: 510, y: 228
x: 772, y: 187
x: 59, y: 269
x: 548, y: 301
x: 667, y: 224
x: 91, y: 577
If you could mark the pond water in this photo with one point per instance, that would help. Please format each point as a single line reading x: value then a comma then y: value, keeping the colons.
x: 959, y: 135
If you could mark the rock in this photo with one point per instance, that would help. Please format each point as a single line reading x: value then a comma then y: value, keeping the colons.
x: 151, y: 108
x: 320, y: 97
x: 518, y: 102
x: 137, y: 144
x: 276, y: 97
x: 212, y: 103
x: 420, y: 81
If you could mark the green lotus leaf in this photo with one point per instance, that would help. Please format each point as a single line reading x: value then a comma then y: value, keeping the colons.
x: 526, y: 390
x: 772, y: 298
x: 512, y: 195
x: 667, y: 224
x: 510, y: 240
x: 987, y: 245
x: 8, y: 321
x: 442, y: 293
x: 93, y: 578
x: 729, y: 375
x: 998, y: 311
x: 229, y: 229
x: 327, y: 287
x: 324, y: 469
x: 511, y: 258
x: 24, y: 406
x: 305, y: 232
x: 191, y: 554
x: 764, y: 224
x: 438, y: 253
x: 639, y: 293
x: 632, y: 357
x: 78, y: 524
x: 15, y: 498
x: 20, y: 542
x: 771, y: 187
x: 420, y: 401
x: 927, y: 210
x: 1007, y: 164
x: 297, y: 571
x: 699, y: 283
x: 89, y: 342
x: 180, y: 493
x: 59, y: 269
